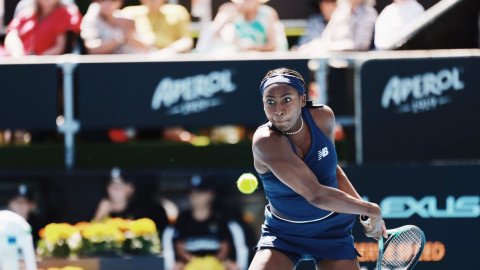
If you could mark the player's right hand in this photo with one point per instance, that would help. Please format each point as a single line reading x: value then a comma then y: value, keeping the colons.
x: 374, y: 227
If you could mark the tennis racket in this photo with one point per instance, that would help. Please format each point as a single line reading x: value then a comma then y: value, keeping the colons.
x: 402, y: 249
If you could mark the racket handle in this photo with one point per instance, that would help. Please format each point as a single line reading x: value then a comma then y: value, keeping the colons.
x: 366, y: 222
x: 364, y: 218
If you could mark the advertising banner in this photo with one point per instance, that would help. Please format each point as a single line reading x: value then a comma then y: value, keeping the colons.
x: 420, y: 110
x: 150, y: 95
x: 443, y: 201
x: 28, y: 96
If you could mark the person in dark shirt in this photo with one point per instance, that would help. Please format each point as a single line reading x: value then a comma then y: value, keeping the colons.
x: 202, y: 231
x: 120, y: 201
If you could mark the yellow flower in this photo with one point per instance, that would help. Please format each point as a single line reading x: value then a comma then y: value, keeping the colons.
x: 55, y: 232
x: 65, y: 268
x: 101, y: 232
x: 72, y: 268
x: 142, y: 227
x: 120, y: 223
x: 204, y: 263
x: 81, y: 225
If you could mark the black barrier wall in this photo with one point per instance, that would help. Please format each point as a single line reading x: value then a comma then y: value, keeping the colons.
x: 444, y: 201
x: 149, y: 95
x: 420, y: 110
x: 28, y: 96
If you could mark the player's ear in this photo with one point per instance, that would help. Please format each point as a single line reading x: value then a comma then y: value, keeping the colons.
x: 303, y: 99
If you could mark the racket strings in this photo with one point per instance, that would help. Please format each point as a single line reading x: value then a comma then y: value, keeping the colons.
x: 402, y: 249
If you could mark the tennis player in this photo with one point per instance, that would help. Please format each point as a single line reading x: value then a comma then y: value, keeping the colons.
x: 312, y: 204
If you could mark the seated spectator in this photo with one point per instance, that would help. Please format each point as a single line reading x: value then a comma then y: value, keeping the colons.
x: 161, y: 26
x: 317, y: 22
x: 393, y: 19
x: 22, y: 202
x: 244, y: 25
x: 41, y: 29
x: 105, y: 31
x: 120, y: 201
x: 25, y: 4
x: 202, y: 231
x: 349, y: 29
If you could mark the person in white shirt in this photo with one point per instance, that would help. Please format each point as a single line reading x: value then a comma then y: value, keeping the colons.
x: 393, y: 19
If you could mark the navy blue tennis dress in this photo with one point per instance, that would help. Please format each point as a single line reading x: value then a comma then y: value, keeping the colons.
x: 305, y: 231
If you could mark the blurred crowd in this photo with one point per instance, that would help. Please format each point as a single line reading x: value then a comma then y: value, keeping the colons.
x: 199, y: 224
x: 159, y: 27
x: 53, y: 27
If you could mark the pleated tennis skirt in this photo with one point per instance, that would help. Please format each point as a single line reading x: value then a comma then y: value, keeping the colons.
x: 330, y: 238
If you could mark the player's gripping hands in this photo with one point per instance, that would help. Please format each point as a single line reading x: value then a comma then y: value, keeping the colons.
x: 374, y: 226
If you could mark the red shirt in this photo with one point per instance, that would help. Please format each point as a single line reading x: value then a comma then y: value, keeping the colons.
x: 39, y: 35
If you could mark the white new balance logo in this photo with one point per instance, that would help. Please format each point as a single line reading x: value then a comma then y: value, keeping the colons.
x: 322, y: 153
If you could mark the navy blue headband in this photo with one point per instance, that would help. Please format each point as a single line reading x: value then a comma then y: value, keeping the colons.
x: 287, y: 79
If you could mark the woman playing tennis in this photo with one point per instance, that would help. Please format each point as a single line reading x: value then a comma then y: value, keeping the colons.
x: 312, y: 204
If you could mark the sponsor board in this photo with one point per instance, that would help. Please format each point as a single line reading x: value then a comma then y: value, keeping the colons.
x: 441, y: 200
x: 420, y: 110
x: 153, y: 95
x: 28, y: 96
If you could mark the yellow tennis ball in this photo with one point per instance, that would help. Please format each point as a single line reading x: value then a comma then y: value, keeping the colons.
x: 247, y: 183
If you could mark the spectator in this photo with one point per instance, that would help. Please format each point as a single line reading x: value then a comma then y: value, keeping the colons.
x: 349, y: 29
x: 244, y: 25
x: 317, y: 22
x: 120, y: 201
x: 42, y: 29
x: 23, y: 203
x: 393, y: 19
x: 202, y: 231
x: 105, y: 31
x: 24, y: 4
x: 161, y: 26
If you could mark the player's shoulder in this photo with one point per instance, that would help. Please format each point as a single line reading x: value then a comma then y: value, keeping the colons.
x: 324, y: 118
x: 321, y: 111
x: 264, y: 132
x: 265, y: 136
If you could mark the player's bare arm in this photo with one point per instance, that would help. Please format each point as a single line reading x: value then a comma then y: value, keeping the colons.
x: 294, y: 173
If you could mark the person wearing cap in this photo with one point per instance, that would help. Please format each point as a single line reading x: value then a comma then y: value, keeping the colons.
x: 202, y: 230
x: 120, y: 201
x: 22, y: 202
